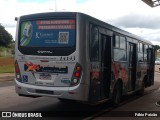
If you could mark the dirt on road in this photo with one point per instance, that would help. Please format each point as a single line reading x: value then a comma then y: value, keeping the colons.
x: 6, y: 61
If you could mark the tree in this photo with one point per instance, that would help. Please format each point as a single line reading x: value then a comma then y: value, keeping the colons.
x: 156, y: 47
x: 5, y: 37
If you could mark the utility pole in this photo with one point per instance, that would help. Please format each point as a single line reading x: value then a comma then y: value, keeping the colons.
x: 55, y: 5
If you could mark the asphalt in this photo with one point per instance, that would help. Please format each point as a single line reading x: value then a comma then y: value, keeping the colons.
x: 146, y: 107
x: 137, y: 109
x: 142, y: 108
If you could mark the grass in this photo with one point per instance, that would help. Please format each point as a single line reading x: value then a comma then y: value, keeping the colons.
x: 6, y: 64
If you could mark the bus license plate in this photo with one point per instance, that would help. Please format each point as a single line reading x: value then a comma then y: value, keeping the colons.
x: 45, y: 77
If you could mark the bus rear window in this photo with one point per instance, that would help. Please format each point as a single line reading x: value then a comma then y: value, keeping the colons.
x: 47, y: 33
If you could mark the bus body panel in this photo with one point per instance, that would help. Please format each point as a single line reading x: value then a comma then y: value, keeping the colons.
x: 59, y: 71
x: 52, y: 71
x: 48, y: 73
x: 73, y: 93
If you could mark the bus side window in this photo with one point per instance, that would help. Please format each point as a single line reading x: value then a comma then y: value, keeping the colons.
x: 119, y: 44
x: 122, y: 42
x: 94, y: 43
x: 140, y: 52
x: 145, y: 52
x: 116, y: 41
x: 149, y: 55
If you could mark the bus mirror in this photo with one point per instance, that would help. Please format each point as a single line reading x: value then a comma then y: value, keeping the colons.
x: 16, y: 18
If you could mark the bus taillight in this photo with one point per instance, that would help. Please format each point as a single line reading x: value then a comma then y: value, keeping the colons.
x: 16, y: 68
x: 76, y: 75
x: 78, y: 68
x: 17, y: 71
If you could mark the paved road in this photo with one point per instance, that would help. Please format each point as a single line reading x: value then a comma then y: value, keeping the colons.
x: 10, y: 101
x: 144, y: 104
x: 6, y: 83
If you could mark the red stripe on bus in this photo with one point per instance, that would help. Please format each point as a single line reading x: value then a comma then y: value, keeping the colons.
x: 55, y: 22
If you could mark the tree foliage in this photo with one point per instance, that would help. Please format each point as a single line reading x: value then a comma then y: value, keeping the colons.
x: 5, y: 37
x: 156, y: 47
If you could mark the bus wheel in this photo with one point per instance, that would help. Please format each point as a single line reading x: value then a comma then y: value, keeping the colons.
x: 141, y: 91
x: 64, y: 100
x: 117, y: 94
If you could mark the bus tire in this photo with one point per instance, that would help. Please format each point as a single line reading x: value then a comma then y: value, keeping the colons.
x: 146, y: 81
x: 64, y: 100
x: 117, y: 93
x: 141, y: 91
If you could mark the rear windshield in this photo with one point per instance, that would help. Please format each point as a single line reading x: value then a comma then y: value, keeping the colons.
x: 47, y: 33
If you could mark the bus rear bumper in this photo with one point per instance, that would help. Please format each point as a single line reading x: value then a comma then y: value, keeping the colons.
x: 74, y: 93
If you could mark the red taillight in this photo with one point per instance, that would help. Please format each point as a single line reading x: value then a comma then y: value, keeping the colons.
x: 16, y: 67
x: 17, y: 72
x: 77, y: 74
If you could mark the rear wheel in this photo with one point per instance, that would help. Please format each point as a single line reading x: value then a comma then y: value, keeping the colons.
x: 141, y: 91
x: 65, y: 100
x: 117, y: 94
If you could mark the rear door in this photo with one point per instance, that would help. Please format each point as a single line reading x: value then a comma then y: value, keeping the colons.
x: 100, y: 56
x: 151, y: 63
x: 106, y: 65
x: 132, y: 66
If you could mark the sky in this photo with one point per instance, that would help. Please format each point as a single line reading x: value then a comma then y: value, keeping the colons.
x: 133, y: 16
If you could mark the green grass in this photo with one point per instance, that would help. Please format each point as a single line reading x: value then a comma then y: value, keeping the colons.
x: 6, y: 64
x: 7, y: 69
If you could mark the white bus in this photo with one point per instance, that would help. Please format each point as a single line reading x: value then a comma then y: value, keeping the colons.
x: 73, y: 56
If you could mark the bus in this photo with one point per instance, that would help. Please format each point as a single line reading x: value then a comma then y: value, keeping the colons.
x: 73, y: 56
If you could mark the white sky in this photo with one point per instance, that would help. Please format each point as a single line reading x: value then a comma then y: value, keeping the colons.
x: 131, y: 15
